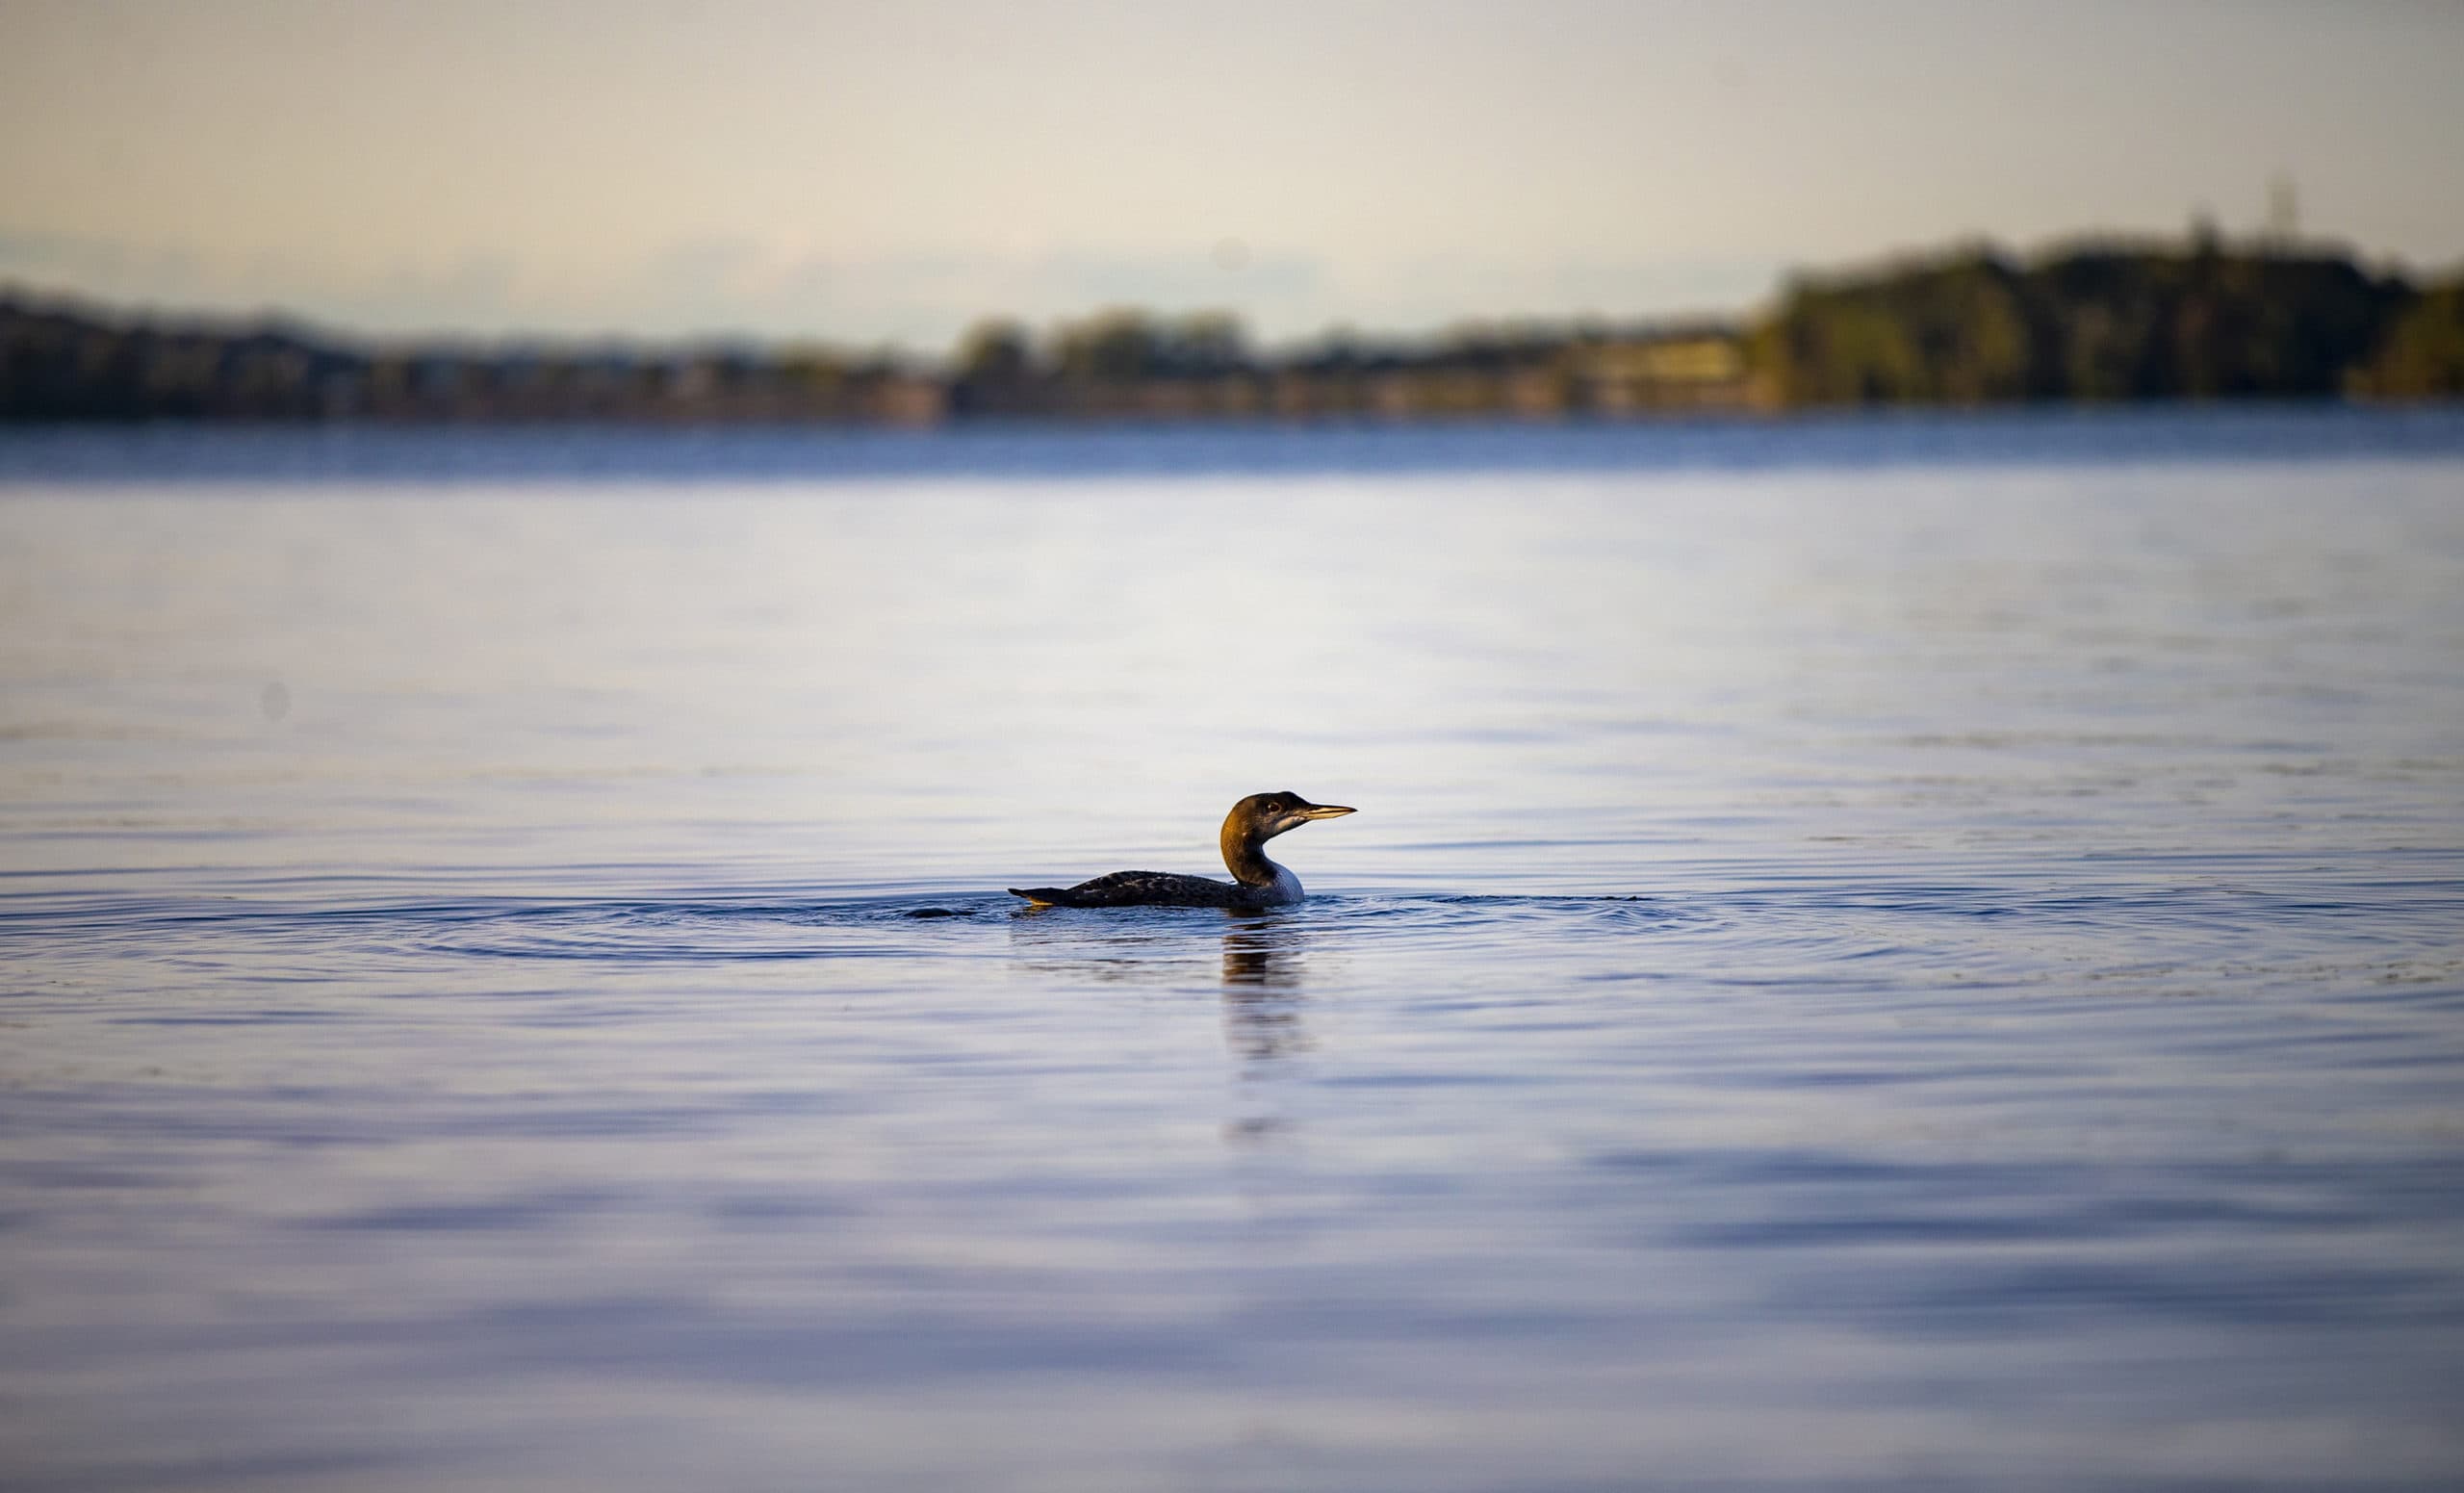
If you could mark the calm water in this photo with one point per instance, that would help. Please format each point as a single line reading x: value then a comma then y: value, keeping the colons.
x: 1900, y: 954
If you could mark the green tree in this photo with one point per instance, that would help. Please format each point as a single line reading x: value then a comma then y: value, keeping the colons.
x: 2422, y: 356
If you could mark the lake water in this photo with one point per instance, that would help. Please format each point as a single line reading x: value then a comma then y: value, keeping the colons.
x: 1874, y: 954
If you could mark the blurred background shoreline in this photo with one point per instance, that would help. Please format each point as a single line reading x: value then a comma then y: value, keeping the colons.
x: 2090, y: 322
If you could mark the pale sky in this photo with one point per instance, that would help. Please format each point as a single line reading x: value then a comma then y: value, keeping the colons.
x: 862, y: 173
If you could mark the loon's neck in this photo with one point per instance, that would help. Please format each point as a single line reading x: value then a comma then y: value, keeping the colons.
x: 1245, y: 854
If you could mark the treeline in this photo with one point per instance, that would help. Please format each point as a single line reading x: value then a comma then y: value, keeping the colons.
x: 61, y: 363
x: 67, y: 362
x: 1128, y: 364
x: 2094, y: 323
x: 2110, y: 322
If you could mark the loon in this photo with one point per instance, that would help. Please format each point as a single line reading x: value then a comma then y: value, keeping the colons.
x: 1256, y: 881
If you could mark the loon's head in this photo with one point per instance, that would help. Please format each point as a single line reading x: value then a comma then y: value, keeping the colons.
x: 1262, y: 816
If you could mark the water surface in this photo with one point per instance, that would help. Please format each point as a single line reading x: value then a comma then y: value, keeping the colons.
x: 1892, y: 955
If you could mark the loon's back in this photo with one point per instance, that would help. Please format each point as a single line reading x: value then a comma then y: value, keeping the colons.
x: 1154, y: 888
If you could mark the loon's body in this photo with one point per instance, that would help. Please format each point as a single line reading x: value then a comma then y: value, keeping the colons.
x: 1256, y: 881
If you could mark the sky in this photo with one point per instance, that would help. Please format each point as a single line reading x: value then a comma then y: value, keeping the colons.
x: 888, y: 173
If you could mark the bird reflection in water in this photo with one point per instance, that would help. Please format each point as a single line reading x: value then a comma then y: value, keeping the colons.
x: 1262, y: 960
x: 1262, y: 1023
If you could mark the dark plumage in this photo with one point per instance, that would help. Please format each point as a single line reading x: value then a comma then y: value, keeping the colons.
x: 1256, y: 881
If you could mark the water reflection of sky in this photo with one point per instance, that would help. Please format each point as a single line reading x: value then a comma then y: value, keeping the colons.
x: 1943, y: 965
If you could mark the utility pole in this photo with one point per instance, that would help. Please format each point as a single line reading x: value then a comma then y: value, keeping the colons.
x: 2284, y: 213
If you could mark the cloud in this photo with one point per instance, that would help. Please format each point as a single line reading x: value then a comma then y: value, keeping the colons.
x: 472, y: 291
x: 929, y: 297
x: 923, y: 299
x: 1437, y: 291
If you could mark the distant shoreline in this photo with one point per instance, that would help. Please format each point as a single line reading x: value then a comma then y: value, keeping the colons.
x: 1968, y: 327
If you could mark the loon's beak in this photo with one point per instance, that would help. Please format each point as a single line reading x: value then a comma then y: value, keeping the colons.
x: 1326, y: 811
